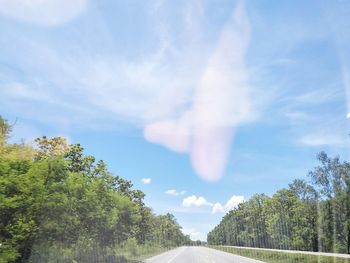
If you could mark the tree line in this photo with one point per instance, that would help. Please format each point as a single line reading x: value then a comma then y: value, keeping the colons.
x: 311, y: 215
x: 55, y: 198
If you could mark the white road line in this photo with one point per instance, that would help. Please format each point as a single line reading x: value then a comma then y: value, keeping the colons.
x: 172, y: 258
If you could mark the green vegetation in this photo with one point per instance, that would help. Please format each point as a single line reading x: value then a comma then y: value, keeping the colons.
x: 281, y: 257
x: 59, y: 205
x: 311, y: 216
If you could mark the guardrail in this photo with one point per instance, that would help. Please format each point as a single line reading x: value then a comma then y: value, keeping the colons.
x: 296, y: 252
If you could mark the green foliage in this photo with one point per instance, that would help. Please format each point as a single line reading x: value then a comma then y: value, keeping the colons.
x: 132, y: 250
x: 58, y: 203
x: 80, y: 252
x: 5, y: 130
x: 50, y: 148
x: 306, y: 216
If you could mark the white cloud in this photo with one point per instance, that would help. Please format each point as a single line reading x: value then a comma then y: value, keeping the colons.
x: 173, y: 192
x: 171, y: 134
x: 218, y: 208
x: 348, y: 115
x: 233, y: 202
x: 320, y: 139
x: 185, y: 96
x: 194, y: 234
x: 43, y: 12
x: 146, y: 180
x: 194, y: 201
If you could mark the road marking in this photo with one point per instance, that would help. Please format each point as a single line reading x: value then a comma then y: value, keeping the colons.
x: 172, y: 258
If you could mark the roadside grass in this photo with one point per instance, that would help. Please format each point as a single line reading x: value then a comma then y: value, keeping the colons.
x: 281, y: 257
x: 129, y: 252
x: 136, y: 253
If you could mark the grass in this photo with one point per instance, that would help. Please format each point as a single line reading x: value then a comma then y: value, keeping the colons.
x: 281, y: 257
x: 129, y: 252
x: 136, y: 253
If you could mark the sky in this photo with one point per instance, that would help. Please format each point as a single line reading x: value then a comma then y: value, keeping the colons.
x: 201, y: 104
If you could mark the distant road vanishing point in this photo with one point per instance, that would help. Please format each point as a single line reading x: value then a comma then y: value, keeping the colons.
x: 198, y: 255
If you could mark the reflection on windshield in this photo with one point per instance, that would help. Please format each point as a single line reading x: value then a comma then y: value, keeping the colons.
x: 174, y: 131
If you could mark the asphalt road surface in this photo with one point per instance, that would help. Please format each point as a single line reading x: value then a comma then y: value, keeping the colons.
x: 198, y: 255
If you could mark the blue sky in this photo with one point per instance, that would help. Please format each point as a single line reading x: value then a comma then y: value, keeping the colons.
x: 200, y: 103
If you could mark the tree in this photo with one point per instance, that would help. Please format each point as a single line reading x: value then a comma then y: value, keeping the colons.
x: 60, y: 199
x: 49, y: 148
x: 332, y: 178
x: 5, y: 131
x: 306, y: 216
x: 305, y: 232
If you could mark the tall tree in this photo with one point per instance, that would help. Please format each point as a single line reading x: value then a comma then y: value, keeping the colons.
x: 332, y: 178
x: 306, y: 216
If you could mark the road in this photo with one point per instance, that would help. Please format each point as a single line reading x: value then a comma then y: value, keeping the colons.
x: 198, y: 255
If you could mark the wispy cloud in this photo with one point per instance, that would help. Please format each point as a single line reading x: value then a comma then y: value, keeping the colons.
x: 185, y: 96
x: 318, y: 96
x: 24, y: 131
x: 43, y: 13
x: 323, y: 139
x: 173, y: 192
x: 295, y: 116
x: 146, y: 180
x: 312, y: 123
x: 221, y: 102
x: 338, y: 21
